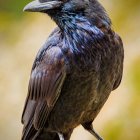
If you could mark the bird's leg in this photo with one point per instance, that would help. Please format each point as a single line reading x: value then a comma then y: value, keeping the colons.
x: 89, y: 128
x: 97, y: 136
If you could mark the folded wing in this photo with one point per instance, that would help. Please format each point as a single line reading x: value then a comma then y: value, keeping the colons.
x: 45, y: 85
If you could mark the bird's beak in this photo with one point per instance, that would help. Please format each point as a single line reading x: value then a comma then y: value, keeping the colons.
x: 37, y: 6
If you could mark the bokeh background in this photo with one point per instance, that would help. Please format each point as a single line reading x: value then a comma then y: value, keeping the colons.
x: 22, y: 34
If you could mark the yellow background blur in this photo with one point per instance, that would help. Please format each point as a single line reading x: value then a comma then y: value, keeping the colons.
x: 22, y: 34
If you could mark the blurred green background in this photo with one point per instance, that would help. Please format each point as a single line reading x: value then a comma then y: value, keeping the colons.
x: 22, y: 34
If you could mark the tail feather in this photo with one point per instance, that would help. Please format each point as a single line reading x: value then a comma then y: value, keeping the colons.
x: 32, y: 134
x: 28, y: 132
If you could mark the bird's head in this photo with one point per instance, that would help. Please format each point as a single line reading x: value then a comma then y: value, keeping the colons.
x: 54, y: 6
x: 61, y: 10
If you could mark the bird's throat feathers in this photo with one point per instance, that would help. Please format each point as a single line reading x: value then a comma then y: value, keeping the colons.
x: 78, y: 33
x: 81, y: 27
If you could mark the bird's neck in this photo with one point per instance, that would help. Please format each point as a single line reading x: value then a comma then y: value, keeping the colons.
x: 78, y: 33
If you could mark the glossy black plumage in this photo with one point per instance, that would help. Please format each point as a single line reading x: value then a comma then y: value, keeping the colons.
x: 73, y: 73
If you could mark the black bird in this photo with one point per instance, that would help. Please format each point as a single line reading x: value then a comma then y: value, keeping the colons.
x: 74, y: 72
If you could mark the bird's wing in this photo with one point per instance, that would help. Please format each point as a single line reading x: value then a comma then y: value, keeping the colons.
x: 45, y: 85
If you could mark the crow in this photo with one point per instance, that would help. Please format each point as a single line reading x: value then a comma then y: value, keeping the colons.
x: 74, y: 72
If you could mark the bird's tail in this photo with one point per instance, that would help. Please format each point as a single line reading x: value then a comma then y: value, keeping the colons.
x: 33, y: 134
x: 30, y: 133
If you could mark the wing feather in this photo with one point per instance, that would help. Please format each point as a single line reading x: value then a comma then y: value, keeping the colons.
x: 45, y: 84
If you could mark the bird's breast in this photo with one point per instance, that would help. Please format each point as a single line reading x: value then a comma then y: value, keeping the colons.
x: 77, y: 94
